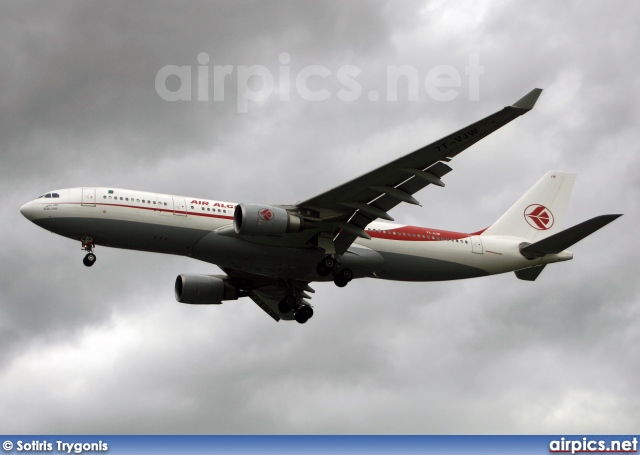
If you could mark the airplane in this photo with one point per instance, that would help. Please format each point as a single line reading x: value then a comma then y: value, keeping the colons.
x: 271, y: 253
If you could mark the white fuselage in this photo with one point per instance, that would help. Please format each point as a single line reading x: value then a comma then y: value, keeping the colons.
x: 202, y: 229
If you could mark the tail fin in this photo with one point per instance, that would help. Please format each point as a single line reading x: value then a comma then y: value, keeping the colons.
x: 540, y: 212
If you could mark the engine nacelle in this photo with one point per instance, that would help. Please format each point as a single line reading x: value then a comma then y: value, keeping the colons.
x: 203, y: 289
x: 254, y: 219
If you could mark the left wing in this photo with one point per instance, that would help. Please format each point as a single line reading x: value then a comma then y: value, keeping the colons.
x: 342, y: 213
x: 268, y: 292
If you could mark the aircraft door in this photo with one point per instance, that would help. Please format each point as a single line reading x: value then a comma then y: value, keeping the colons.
x: 476, y: 244
x: 179, y: 206
x: 89, y: 197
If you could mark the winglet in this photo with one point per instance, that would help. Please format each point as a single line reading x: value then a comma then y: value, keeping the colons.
x: 529, y: 100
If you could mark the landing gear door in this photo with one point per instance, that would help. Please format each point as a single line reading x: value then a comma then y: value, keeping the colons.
x: 476, y: 244
x: 179, y: 206
x: 89, y: 197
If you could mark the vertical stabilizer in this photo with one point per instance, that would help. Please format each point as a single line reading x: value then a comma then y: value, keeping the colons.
x: 540, y: 212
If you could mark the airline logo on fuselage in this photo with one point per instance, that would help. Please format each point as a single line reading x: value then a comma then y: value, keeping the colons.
x: 539, y: 217
x: 213, y: 204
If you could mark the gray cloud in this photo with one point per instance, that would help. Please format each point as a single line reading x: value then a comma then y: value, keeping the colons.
x: 108, y: 350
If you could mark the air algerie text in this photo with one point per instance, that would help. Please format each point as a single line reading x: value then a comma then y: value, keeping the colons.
x: 213, y: 204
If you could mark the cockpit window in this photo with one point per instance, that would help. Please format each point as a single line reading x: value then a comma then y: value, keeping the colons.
x: 47, y: 195
x: 55, y: 195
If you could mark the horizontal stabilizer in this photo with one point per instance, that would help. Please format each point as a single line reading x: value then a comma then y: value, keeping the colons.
x: 531, y: 273
x: 564, y: 239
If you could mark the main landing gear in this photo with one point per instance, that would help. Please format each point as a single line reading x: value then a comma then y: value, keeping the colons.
x: 87, y: 245
x: 330, y: 265
x: 301, y: 311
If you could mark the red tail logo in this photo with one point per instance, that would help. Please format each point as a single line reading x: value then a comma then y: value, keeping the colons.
x: 265, y: 214
x: 539, y: 217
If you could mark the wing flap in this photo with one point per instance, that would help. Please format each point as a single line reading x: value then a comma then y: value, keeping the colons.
x: 266, y: 307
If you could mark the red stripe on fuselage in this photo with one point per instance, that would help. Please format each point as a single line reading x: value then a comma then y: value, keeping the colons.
x: 415, y: 234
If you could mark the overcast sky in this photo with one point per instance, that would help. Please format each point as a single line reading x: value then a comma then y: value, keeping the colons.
x: 109, y: 350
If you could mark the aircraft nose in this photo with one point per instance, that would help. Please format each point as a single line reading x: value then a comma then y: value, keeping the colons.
x: 27, y: 210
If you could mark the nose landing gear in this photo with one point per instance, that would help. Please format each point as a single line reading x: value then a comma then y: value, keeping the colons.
x: 87, y: 245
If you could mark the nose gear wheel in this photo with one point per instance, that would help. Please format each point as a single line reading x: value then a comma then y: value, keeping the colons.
x: 89, y: 259
x: 87, y: 245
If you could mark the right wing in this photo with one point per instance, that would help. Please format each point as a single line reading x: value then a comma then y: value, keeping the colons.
x: 342, y: 213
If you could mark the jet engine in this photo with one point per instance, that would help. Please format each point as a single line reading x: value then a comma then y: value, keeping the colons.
x: 203, y: 289
x: 254, y: 219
